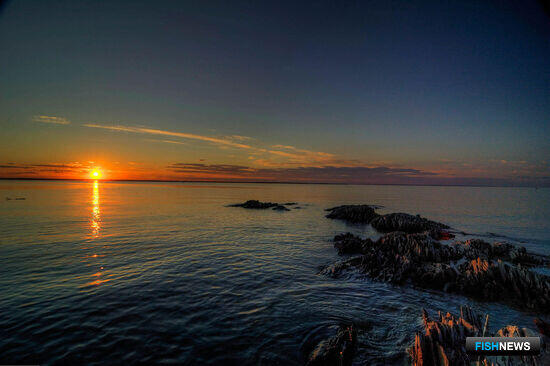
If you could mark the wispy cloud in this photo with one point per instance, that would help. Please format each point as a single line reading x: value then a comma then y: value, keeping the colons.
x: 274, y: 156
x: 167, y: 141
x: 50, y: 168
x: 239, y: 138
x: 351, y: 175
x: 51, y: 119
x: 329, y: 174
x: 143, y: 130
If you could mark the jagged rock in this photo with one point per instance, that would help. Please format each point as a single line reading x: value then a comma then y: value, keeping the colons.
x: 353, y: 213
x: 497, y: 281
x: 477, y: 248
x: 336, y: 269
x: 351, y: 244
x: 280, y: 208
x: 255, y: 204
x: 420, y: 247
x: 442, y: 342
x: 410, y: 224
x: 418, y: 259
x: 335, y: 351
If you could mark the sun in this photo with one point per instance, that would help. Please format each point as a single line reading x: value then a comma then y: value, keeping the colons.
x: 95, y: 173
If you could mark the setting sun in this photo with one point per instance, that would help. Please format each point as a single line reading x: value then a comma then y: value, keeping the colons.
x: 95, y: 174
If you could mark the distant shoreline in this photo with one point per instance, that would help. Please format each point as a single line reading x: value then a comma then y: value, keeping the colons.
x: 271, y: 182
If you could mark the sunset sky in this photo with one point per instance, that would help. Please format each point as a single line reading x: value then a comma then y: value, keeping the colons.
x: 433, y: 92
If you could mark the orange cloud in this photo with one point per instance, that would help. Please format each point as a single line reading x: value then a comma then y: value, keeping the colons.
x: 51, y: 119
x: 142, y: 130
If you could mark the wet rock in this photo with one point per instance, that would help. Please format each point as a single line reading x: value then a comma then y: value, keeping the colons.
x: 351, y: 244
x: 498, y: 281
x: 280, y: 208
x: 442, y: 341
x: 418, y: 259
x: 362, y: 214
x: 337, y: 269
x: 410, y: 224
x: 419, y: 247
x: 477, y: 248
x: 290, y: 203
x: 255, y: 204
x: 335, y: 351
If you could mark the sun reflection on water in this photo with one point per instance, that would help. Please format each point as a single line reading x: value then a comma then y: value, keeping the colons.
x: 96, y: 217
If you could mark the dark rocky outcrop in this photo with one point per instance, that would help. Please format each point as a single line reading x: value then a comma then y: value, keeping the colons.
x: 366, y: 214
x: 442, y: 341
x: 418, y: 259
x: 350, y: 244
x: 335, y: 351
x: 410, y: 224
x: 476, y: 248
x: 362, y: 214
x: 257, y: 205
x: 497, y: 281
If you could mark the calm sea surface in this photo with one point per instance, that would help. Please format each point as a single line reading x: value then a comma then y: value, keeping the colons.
x: 111, y: 273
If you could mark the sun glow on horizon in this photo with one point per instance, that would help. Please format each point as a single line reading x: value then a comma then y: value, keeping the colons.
x: 95, y: 173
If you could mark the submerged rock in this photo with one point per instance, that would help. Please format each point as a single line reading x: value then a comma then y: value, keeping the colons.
x: 353, y: 213
x: 258, y: 205
x: 335, y: 351
x: 280, y: 208
x: 442, y: 341
x: 418, y: 259
x: 255, y: 204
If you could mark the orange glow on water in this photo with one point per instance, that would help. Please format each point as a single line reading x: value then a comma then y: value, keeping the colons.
x: 96, y: 218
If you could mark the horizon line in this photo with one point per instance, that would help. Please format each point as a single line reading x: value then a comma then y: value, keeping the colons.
x: 272, y: 182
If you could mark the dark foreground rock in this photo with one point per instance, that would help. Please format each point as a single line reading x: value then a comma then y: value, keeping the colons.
x: 442, y: 341
x: 476, y: 248
x: 257, y: 205
x: 418, y: 259
x: 361, y: 214
x: 335, y: 351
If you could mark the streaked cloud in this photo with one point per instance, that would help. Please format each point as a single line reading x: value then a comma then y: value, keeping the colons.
x: 328, y: 174
x: 152, y: 131
x: 349, y: 175
x: 51, y: 119
x: 168, y: 141
x: 276, y: 155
